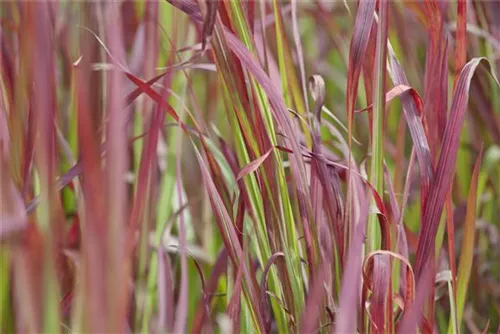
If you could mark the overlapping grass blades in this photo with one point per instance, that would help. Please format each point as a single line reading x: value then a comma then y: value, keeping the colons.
x: 245, y: 166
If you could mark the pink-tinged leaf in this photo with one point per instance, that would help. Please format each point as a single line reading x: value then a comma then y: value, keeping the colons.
x: 349, y: 294
x: 443, y: 91
x: 377, y: 277
x: 116, y: 166
x: 397, y: 91
x: 417, y: 133
x: 369, y: 269
x: 461, y: 36
x: 7, y: 64
x: 189, y: 7
x: 434, y: 113
x: 13, y: 217
x: 434, y: 203
x: 95, y: 204
x: 165, y: 292
x: 310, y: 317
x: 369, y: 70
x: 233, y: 308
x: 252, y: 166
x: 357, y: 50
x: 413, y: 318
x: 401, y: 243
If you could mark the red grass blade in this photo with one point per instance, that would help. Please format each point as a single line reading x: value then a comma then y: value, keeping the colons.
x: 434, y: 113
x: 253, y: 165
x: 165, y: 291
x: 461, y: 36
x: 209, y: 23
x: 229, y: 236
x: 445, y: 167
x: 376, y: 276
x: 413, y: 318
x: 357, y: 51
x: 189, y: 7
x: 398, y: 91
x: 13, y: 217
x: 412, y: 115
x: 310, y: 317
x: 233, y: 309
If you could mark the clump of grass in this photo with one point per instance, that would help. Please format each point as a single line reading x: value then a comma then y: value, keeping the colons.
x: 258, y: 166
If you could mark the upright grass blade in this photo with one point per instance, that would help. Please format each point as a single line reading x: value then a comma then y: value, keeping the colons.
x: 357, y: 50
x: 209, y: 22
x: 48, y: 216
x: 118, y: 158
x: 434, y: 114
x: 329, y: 183
x: 377, y: 149
x: 232, y: 244
x: 444, y: 171
x: 117, y: 261
x: 461, y: 36
x: 468, y: 241
x: 413, y: 118
x: 298, y: 170
x: 165, y: 291
x: 292, y: 84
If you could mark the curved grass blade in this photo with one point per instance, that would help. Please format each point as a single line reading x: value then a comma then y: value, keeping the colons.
x: 412, y: 115
x: 397, y: 91
x: 357, y: 51
x: 445, y: 166
x: 377, y: 139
